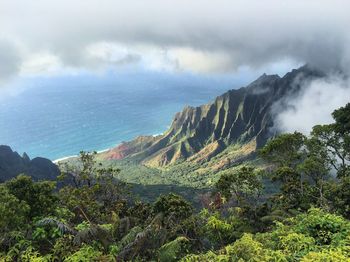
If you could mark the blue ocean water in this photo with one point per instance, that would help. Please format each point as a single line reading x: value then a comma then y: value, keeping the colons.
x: 59, y: 116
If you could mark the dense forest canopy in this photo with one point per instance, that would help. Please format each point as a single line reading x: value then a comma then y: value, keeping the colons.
x: 88, y: 215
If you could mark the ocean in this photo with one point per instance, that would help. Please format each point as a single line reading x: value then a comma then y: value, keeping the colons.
x: 55, y: 117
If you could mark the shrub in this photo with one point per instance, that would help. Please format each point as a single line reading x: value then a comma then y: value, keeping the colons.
x: 173, y: 250
x: 325, y: 228
x: 174, y: 205
x: 13, y: 212
x: 326, y: 256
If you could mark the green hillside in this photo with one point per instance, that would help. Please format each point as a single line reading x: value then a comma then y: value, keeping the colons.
x: 93, y: 216
x: 202, y: 142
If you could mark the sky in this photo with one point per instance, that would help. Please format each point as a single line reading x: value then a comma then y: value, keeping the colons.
x: 62, y: 37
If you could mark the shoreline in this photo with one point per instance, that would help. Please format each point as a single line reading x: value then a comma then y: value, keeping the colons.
x: 57, y: 161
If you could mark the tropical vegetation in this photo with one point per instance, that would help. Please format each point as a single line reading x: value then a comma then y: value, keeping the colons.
x: 90, y: 215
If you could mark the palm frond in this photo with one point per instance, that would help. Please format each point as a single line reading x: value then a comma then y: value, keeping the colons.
x: 64, y: 228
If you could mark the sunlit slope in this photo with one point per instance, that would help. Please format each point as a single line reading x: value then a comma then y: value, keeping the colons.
x: 242, y: 118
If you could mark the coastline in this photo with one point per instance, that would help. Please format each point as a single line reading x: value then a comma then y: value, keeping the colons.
x: 57, y: 161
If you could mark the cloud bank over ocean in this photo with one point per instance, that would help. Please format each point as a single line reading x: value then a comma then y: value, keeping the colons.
x: 50, y: 37
x: 60, y: 37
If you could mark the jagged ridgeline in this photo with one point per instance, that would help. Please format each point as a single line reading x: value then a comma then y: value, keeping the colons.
x: 242, y: 117
x: 12, y: 164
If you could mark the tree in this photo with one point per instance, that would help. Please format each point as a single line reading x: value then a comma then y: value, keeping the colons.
x: 342, y: 120
x: 94, y: 189
x: 285, y: 153
x: 294, y: 192
x: 316, y: 167
x: 242, y: 184
x: 85, y: 171
x: 336, y: 147
x: 302, y: 166
x: 336, y: 138
x: 13, y: 212
x: 172, y: 205
x: 284, y: 150
x: 39, y: 196
x: 340, y: 195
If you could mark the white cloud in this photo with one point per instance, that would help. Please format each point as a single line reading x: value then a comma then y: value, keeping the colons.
x: 313, y: 105
x: 9, y: 60
x: 198, y: 35
x: 49, y: 37
x: 200, y: 61
x: 40, y: 63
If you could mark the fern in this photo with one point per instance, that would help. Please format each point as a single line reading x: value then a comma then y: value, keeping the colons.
x: 64, y: 228
x: 173, y: 250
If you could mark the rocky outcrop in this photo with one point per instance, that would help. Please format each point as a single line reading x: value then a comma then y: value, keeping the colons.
x: 12, y: 164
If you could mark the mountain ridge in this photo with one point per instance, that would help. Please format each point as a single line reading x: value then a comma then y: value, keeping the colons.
x: 239, y: 116
x: 12, y: 164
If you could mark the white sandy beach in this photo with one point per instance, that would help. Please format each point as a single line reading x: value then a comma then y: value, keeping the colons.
x: 56, y: 161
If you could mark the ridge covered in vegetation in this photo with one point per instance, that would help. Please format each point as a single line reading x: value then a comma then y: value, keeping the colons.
x: 197, y: 134
x: 93, y: 217
x: 204, y: 142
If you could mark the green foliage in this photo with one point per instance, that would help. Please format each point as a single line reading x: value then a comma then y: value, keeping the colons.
x: 208, y: 257
x: 182, y: 177
x: 81, y: 200
x: 218, y: 229
x: 93, y: 233
x: 313, y: 236
x: 325, y: 228
x: 341, y: 196
x: 85, y: 253
x: 342, y: 119
x: 173, y: 250
x: 326, y: 256
x: 242, y: 184
x: 244, y: 249
x: 13, y: 212
x: 173, y: 205
x: 247, y: 249
x: 82, y: 226
x: 284, y: 150
x: 58, y: 226
x: 63, y: 247
x: 22, y: 247
x: 93, y: 190
x: 296, y: 245
x: 32, y: 255
x: 114, y: 250
x: 93, y: 218
x: 38, y: 195
x: 335, y: 138
x: 308, y: 233
x: 302, y: 167
x: 127, y: 239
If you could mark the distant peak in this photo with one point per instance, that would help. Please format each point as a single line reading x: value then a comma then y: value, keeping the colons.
x: 5, y: 149
x: 25, y: 157
x: 266, y: 77
x: 263, y: 82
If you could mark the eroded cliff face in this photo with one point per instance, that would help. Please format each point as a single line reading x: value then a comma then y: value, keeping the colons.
x: 242, y: 116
